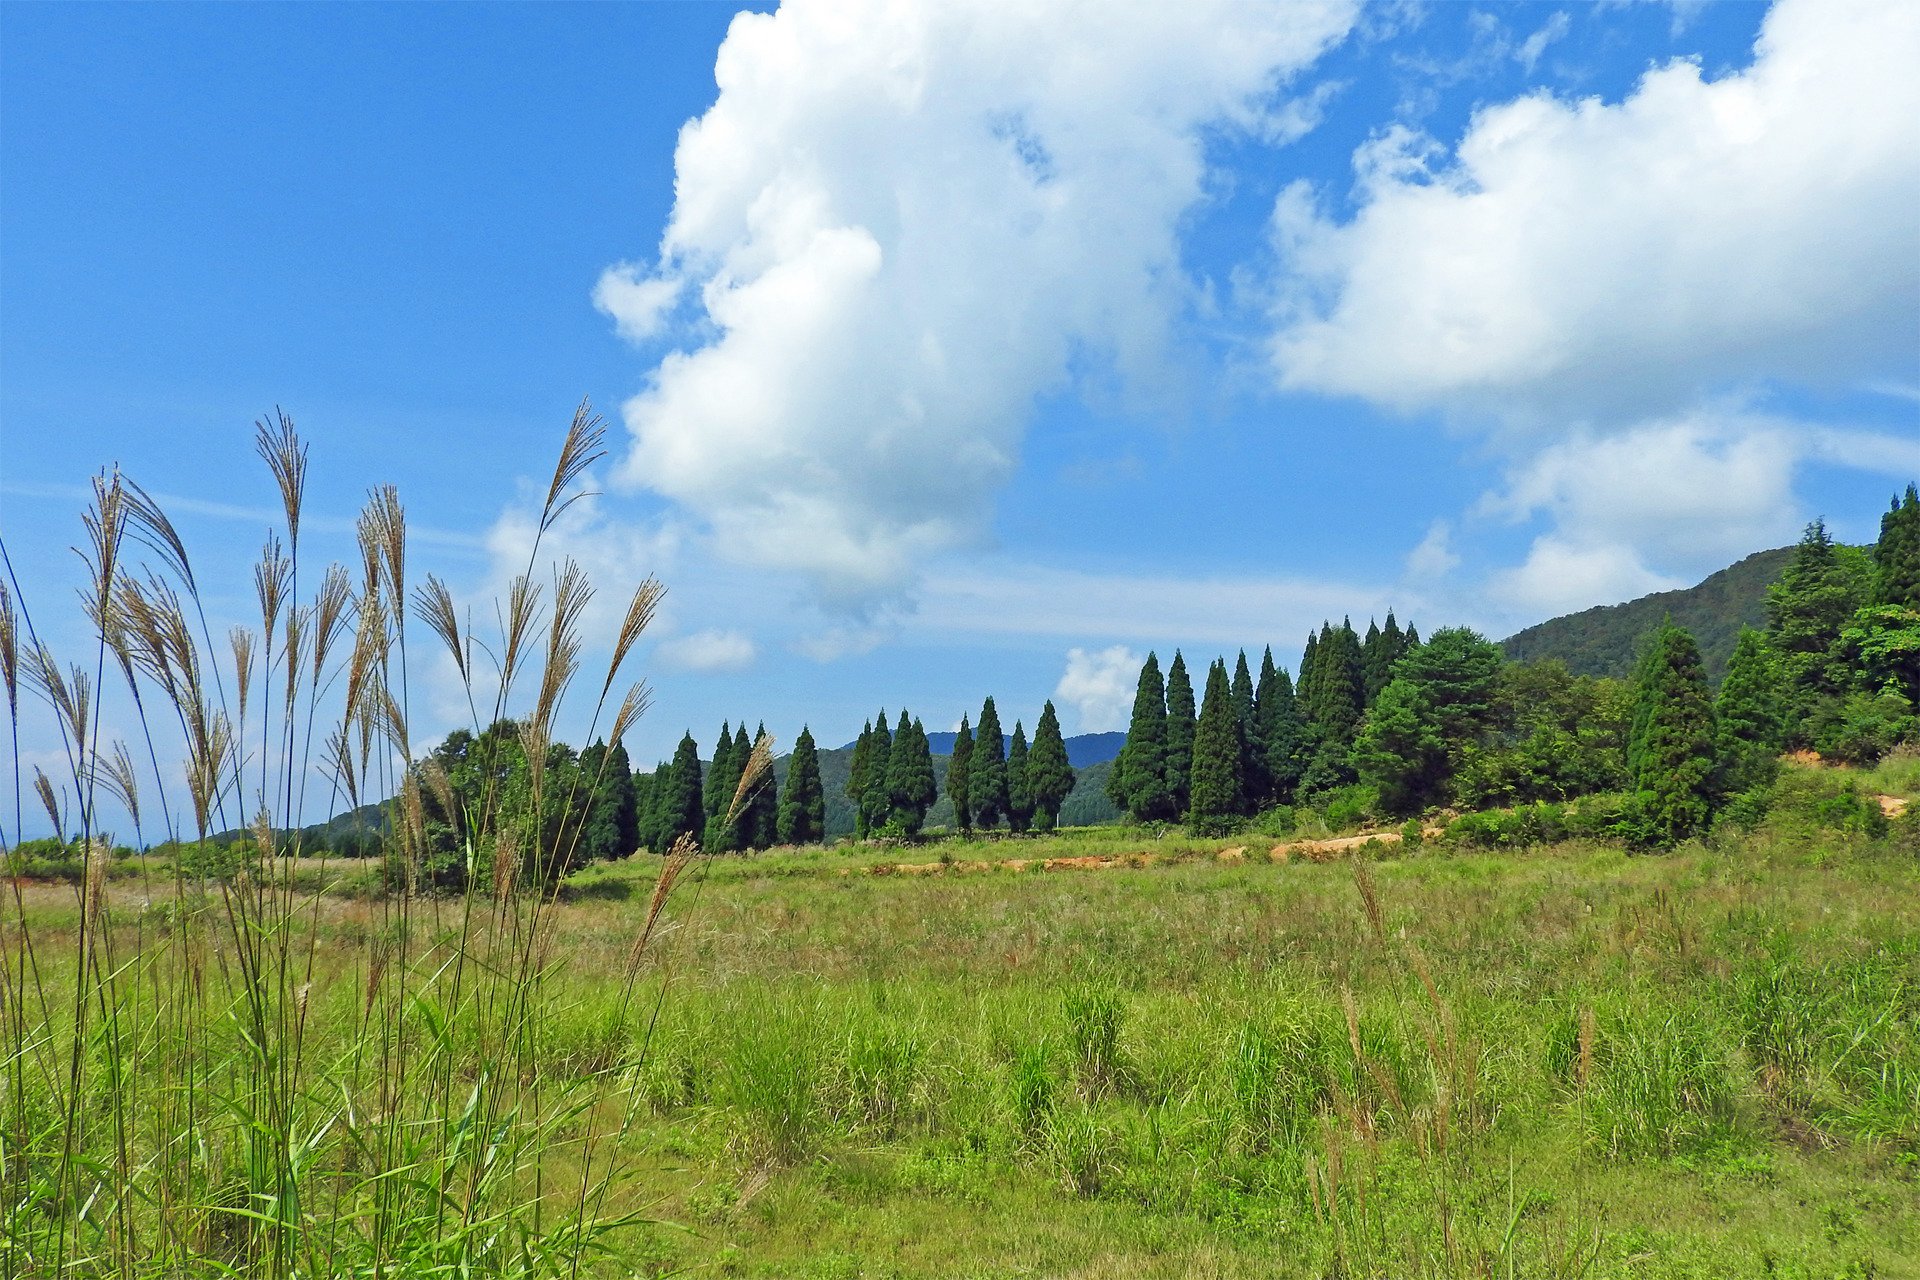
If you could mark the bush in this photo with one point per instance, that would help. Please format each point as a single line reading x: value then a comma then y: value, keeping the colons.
x: 1350, y: 806
x: 1828, y: 801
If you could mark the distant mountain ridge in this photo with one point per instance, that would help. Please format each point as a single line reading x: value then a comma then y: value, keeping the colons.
x: 1605, y: 640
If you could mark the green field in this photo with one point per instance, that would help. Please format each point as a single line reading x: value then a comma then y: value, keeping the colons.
x: 1539, y: 1061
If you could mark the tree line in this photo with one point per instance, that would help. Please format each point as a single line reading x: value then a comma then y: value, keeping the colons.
x: 1449, y: 722
x: 990, y: 778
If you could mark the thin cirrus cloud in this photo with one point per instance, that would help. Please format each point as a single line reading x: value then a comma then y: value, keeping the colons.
x: 896, y: 227
x: 1595, y: 284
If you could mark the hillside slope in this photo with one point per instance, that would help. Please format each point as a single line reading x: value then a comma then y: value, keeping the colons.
x: 1604, y: 640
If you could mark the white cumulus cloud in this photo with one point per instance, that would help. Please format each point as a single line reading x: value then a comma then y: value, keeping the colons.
x: 901, y: 222
x: 715, y: 649
x: 1580, y: 259
x: 1101, y: 685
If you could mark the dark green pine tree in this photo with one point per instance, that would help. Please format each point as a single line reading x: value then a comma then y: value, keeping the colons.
x: 611, y: 829
x: 643, y: 808
x: 803, y: 804
x: 1138, y: 783
x: 1253, y: 763
x: 1180, y: 727
x: 1411, y: 641
x: 1217, y: 797
x: 1371, y: 658
x: 1334, y: 693
x: 1378, y: 654
x: 987, y: 771
x: 876, y: 800
x: 958, y: 776
x: 1751, y: 731
x: 910, y: 775
x: 1807, y: 609
x: 859, y: 773
x: 713, y: 803
x: 1670, y: 753
x: 1896, y: 556
x: 1283, y: 737
x: 723, y: 782
x: 1309, y: 663
x: 1050, y: 775
x: 682, y: 811
x: 1437, y: 707
x: 762, y: 824
x: 653, y: 820
x: 1019, y: 799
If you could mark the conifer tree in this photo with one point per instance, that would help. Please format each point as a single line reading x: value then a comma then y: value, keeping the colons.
x: 611, y: 829
x: 1284, y: 740
x: 723, y: 781
x: 763, y: 812
x: 1671, y: 750
x: 1371, y: 660
x: 712, y: 802
x: 910, y: 776
x: 1180, y: 728
x: 803, y: 804
x: 683, y: 812
x: 643, y: 808
x: 1138, y: 783
x: 1019, y: 799
x: 1807, y: 609
x: 958, y: 776
x: 859, y: 774
x: 1748, y: 711
x: 987, y: 771
x: 1050, y: 775
x: 1438, y: 705
x: 877, y: 801
x: 654, y: 820
x: 1253, y: 763
x: 1896, y: 555
x: 1217, y: 798
x: 1411, y: 642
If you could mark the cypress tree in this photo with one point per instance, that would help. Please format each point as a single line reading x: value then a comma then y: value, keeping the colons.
x: 1896, y: 556
x: 1309, y: 664
x: 714, y: 803
x: 683, y: 812
x: 1138, y: 783
x: 1262, y: 787
x: 987, y: 772
x: 1671, y: 751
x: 1807, y: 609
x: 958, y: 775
x: 1217, y: 749
x: 910, y: 776
x: 1180, y: 726
x: 763, y: 820
x: 803, y: 804
x: 876, y: 800
x: 1283, y: 736
x: 1050, y: 775
x: 611, y: 829
x: 1373, y: 660
x: 653, y: 822
x: 643, y: 808
x: 1243, y: 692
x: 1411, y: 642
x: 1751, y: 731
x: 1253, y: 765
x: 1019, y: 799
x: 723, y: 782
x: 859, y: 773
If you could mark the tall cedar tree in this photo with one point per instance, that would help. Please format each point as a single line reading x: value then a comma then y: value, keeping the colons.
x: 723, y: 780
x: 1437, y: 706
x: 653, y: 820
x: 1282, y: 736
x: 612, y: 828
x: 1370, y: 654
x: 1019, y: 800
x: 876, y: 801
x: 958, y: 766
x: 859, y: 774
x: 910, y: 776
x: 1671, y: 751
x: 987, y: 771
x: 1253, y: 762
x: 1896, y: 555
x: 1217, y: 799
x: 763, y: 809
x: 641, y: 785
x: 1807, y: 609
x: 1180, y: 725
x: 803, y: 804
x: 1138, y: 783
x: 1379, y: 653
x: 1050, y: 775
x: 683, y: 812
x: 1333, y: 693
x: 1750, y: 730
x: 712, y: 804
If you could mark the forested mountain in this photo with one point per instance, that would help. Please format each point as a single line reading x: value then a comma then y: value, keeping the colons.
x: 1605, y: 640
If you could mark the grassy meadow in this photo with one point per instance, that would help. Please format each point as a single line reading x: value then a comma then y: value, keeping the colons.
x: 1562, y: 1060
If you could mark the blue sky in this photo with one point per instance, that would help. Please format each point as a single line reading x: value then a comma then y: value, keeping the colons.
x: 960, y: 350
